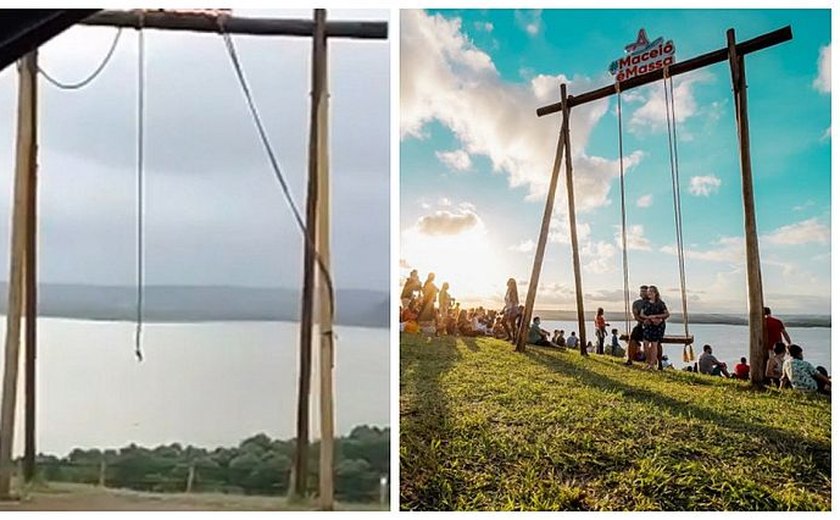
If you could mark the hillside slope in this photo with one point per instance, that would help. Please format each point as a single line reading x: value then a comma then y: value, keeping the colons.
x: 483, y: 427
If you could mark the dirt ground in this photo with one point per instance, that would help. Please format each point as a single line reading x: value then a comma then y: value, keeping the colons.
x: 77, y: 497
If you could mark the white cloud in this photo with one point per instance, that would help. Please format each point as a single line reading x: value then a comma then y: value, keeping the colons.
x: 526, y: 246
x: 444, y: 222
x: 652, y: 114
x: 445, y: 78
x: 703, y: 186
x: 457, y: 160
x: 726, y: 249
x: 826, y: 135
x: 598, y: 257
x: 635, y: 238
x: 803, y: 232
x: 530, y: 21
x: 484, y: 26
x: 645, y: 201
x: 559, y: 232
x: 823, y: 80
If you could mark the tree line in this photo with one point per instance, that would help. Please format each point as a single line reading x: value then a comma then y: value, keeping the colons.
x: 258, y: 466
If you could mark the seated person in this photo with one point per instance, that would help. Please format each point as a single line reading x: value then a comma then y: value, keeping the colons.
x: 538, y: 336
x: 556, y: 337
x: 773, y: 371
x: 572, y: 341
x: 709, y: 364
x: 822, y: 387
x: 742, y: 370
x: 499, y: 328
x: 561, y: 339
x: 666, y: 363
x: 465, y: 327
x: 801, y: 374
x: 615, y: 347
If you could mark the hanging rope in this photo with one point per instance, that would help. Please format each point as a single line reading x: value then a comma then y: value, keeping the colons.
x: 86, y: 81
x: 623, y: 216
x: 141, y: 87
x: 671, y: 118
x: 278, y: 173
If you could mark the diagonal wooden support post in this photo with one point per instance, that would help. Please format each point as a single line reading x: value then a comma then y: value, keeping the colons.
x: 539, y: 254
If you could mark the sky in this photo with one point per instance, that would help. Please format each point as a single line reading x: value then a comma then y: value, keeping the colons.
x: 215, y: 214
x: 475, y: 161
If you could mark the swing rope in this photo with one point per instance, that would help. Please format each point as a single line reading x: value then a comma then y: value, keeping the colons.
x: 278, y: 173
x: 141, y: 87
x: 93, y: 75
x: 671, y: 118
x: 623, y: 215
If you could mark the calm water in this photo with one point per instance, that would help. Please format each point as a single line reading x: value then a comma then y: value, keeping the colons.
x: 206, y: 384
x: 729, y: 342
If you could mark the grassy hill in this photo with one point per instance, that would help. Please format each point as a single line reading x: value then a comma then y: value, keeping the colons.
x: 483, y: 427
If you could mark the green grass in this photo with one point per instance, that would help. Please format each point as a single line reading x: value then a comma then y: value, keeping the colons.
x: 485, y: 428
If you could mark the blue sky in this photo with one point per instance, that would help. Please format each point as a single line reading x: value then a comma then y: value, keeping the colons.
x: 475, y: 160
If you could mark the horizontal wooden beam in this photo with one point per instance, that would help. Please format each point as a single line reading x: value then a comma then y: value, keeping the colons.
x: 198, y: 22
x: 756, y: 44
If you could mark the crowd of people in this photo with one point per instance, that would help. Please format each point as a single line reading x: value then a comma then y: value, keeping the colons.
x: 425, y: 308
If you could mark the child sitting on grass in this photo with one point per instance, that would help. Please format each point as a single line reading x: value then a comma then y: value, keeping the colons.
x: 742, y: 370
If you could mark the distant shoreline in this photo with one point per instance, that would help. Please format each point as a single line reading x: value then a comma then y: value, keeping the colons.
x: 175, y: 320
x: 699, y: 318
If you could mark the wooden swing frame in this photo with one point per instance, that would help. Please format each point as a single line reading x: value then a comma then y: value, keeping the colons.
x: 734, y: 53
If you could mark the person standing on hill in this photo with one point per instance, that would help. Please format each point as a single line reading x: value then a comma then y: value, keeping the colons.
x: 444, y: 300
x: 654, y: 312
x: 637, y: 334
x: 600, y: 329
x: 430, y: 292
x: 775, y: 330
x: 511, y: 309
x: 412, y: 285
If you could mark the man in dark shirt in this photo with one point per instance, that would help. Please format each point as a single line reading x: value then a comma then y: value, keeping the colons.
x: 635, y: 340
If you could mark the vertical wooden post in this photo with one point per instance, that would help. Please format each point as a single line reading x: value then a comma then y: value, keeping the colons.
x: 30, y: 271
x: 758, y: 352
x: 301, y: 463
x: 190, y: 478
x: 570, y: 193
x: 522, y: 337
x: 25, y: 138
x: 103, y: 468
x: 320, y: 98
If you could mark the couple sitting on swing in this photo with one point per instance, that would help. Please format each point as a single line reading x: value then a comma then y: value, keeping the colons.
x: 650, y: 313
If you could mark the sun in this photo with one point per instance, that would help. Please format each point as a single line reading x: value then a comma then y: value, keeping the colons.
x: 469, y: 261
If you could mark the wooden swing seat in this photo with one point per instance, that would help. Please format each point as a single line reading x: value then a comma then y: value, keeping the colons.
x: 671, y: 340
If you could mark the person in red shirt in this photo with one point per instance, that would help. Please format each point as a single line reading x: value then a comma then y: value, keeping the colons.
x: 775, y: 330
x: 742, y: 369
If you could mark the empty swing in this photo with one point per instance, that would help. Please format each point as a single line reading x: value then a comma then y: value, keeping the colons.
x: 687, y: 339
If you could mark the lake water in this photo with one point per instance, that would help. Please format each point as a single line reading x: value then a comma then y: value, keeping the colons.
x: 206, y: 384
x: 729, y: 342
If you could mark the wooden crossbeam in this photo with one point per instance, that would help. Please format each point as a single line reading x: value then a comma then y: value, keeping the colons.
x: 756, y: 44
x: 202, y: 22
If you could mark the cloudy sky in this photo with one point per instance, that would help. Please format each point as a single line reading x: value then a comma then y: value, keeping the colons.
x: 476, y: 161
x: 214, y: 211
